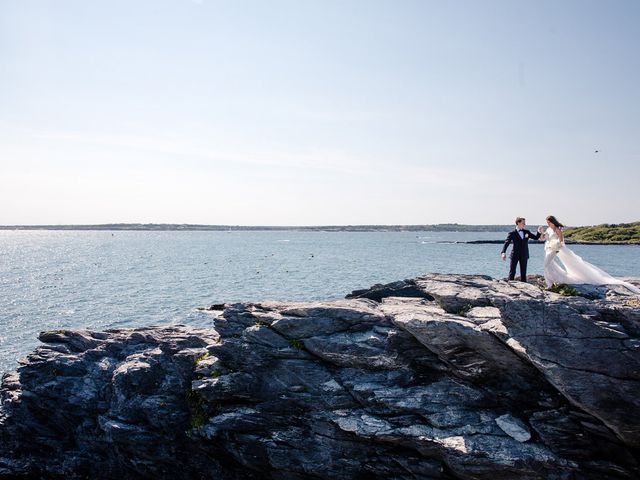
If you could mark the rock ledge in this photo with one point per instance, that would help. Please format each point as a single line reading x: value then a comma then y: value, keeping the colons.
x: 438, y: 377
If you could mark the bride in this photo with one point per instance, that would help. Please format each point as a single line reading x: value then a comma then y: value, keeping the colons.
x: 576, y: 270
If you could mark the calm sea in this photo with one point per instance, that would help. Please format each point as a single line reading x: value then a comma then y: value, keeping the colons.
x: 66, y: 279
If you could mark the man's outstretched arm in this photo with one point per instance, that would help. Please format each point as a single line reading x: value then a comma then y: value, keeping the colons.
x: 503, y: 254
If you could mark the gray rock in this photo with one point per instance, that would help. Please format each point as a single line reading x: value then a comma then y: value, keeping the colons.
x: 514, y: 427
x: 402, y: 288
x: 441, y: 377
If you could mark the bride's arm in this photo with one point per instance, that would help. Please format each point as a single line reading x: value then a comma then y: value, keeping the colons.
x: 560, y: 235
x: 541, y: 232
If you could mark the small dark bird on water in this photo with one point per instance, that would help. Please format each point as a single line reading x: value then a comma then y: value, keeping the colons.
x: 597, y: 151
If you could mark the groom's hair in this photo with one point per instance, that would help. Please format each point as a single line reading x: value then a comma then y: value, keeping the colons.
x: 519, y: 219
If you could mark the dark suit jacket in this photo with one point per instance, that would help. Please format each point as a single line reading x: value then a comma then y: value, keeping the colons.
x: 520, y: 246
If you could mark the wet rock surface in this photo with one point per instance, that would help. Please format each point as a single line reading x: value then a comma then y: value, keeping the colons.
x: 438, y: 377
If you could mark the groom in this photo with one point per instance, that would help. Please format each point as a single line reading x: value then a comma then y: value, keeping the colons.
x: 520, y: 252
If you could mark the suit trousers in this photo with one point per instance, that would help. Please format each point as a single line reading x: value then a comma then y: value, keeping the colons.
x: 523, y: 268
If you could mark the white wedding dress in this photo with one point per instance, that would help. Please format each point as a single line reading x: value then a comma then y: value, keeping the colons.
x: 576, y: 270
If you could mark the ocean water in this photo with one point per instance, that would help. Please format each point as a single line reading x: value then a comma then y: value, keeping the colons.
x: 97, y: 280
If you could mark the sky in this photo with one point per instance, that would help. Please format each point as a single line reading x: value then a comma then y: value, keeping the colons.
x: 319, y: 112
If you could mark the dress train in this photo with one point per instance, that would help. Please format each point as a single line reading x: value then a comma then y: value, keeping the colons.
x: 576, y: 270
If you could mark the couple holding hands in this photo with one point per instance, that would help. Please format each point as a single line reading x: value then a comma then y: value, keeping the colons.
x: 574, y: 269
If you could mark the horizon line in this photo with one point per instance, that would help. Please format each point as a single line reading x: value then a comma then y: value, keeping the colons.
x: 200, y: 226
x: 196, y: 226
x: 239, y: 225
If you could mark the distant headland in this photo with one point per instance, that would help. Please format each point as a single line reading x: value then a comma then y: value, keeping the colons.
x: 605, y: 233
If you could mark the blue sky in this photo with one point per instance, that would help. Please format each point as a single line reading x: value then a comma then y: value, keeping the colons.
x: 319, y: 112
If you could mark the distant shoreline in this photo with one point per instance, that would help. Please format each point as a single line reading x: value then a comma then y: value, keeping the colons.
x: 609, y: 234
x: 165, y: 227
x: 568, y: 242
x: 173, y: 227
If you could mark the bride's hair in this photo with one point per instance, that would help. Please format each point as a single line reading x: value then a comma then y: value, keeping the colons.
x: 555, y: 221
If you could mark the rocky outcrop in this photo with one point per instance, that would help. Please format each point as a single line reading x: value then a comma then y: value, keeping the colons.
x: 439, y: 377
